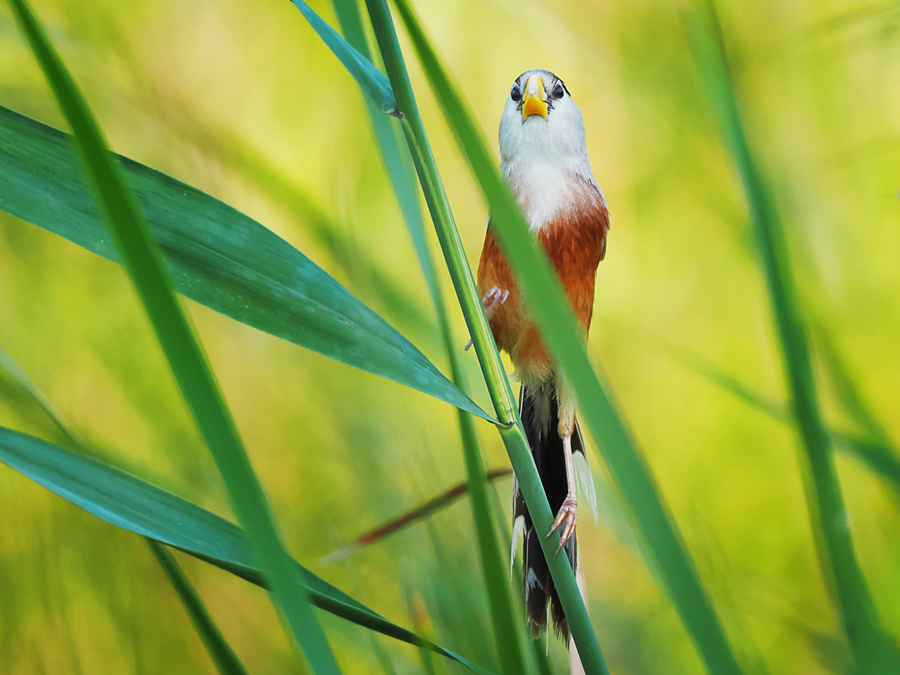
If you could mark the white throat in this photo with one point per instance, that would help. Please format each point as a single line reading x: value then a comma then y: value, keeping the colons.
x: 545, y: 159
x: 546, y: 189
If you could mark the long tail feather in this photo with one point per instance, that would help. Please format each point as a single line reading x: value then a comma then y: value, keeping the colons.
x: 539, y: 410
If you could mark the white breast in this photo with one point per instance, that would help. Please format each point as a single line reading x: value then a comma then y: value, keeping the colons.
x: 545, y: 162
x: 544, y: 192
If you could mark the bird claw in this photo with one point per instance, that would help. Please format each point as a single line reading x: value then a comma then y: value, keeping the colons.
x: 494, y: 297
x: 491, y: 300
x: 568, y: 514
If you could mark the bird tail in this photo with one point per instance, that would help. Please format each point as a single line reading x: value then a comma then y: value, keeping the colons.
x: 539, y: 410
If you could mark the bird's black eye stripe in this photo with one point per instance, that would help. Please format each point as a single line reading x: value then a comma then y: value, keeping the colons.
x: 558, y: 90
x: 516, y: 93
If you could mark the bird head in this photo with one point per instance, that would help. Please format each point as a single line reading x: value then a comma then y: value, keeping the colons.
x: 541, y: 122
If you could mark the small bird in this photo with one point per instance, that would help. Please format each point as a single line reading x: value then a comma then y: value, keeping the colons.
x: 543, y: 157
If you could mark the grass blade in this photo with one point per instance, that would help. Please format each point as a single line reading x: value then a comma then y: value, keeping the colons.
x: 553, y: 315
x: 221, y: 653
x: 370, y: 79
x: 137, y: 506
x: 214, y: 254
x: 144, y: 264
x: 492, y: 368
x: 871, y: 649
x: 846, y: 389
x: 879, y: 454
x: 24, y: 384
x: 491, y: 557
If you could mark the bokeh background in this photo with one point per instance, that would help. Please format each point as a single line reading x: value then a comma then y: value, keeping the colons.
x: 243, y: 101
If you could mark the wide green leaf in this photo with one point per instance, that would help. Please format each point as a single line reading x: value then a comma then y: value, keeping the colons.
x: 214, y: 254
x: 143, y: 261
x: 137, y: 506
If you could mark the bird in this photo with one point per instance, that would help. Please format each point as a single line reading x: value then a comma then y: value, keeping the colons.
x: 544, y: 160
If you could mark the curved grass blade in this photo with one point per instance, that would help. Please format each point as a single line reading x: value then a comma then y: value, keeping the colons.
x: 871, y: 648
x: 219, y: 650
x: 145, y: 267
x: 24, y: 384
x: 425, y: 510
x: 552, y: 313
x: 370, y: 79
x: 135, y: 505
x: 215, y: 255
x: 848, y: 393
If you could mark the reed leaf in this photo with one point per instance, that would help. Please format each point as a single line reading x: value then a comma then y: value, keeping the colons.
x: 220, y: 651
x: 135, y: 505
x: 145, y: 266
x: 214, y: 254
x: 368, y: 77
x: 630, y: 473
x: 224, y: 657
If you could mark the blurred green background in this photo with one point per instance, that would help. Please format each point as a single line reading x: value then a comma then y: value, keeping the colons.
x: 243, y: 101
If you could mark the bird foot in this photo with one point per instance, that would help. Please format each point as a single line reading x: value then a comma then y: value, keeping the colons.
x: 490, y: 302
x: 568, y: 515
x: 495, y: 296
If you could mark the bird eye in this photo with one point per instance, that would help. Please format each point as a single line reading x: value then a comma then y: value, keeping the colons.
x: 558, y: 90
x: 516, y: 93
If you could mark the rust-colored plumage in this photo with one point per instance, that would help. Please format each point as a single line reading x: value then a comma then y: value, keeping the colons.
x: 575, y: 242
x: 543, y: 157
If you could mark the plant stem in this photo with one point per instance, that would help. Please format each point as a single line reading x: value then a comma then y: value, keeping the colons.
x: 488, y: 356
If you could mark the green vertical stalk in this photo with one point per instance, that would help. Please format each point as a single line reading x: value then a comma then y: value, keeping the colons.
x: 551, y: 311
x: 504, y: 624
x: 871, y: 649
x: 489, y: 359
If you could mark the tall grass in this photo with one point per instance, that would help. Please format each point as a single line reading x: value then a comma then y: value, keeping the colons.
x: 349, y: 458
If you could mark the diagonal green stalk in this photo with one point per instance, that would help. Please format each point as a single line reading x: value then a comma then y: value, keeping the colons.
x: 144, y: 264
x: 493, y: 569
x: 219, y: 650
x: 492, y: 368
x: 875, y: 450
x: 870, y: 647
x: 664, y: 546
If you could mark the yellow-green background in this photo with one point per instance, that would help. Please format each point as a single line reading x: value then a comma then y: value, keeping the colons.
x: 241, y: 99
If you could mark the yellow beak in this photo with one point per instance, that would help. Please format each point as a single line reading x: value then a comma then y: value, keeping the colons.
x: 535, y: 101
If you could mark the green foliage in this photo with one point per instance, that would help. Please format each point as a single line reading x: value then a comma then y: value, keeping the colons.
x: 872, y: 649
x: 137, y: 506
x: 226, y: 660
x: 249, y: 105
x: 144, y: 264
x: 214, y: 254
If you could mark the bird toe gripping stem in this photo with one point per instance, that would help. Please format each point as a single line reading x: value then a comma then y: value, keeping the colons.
x: 490, y: 302
x: 568, y: 515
